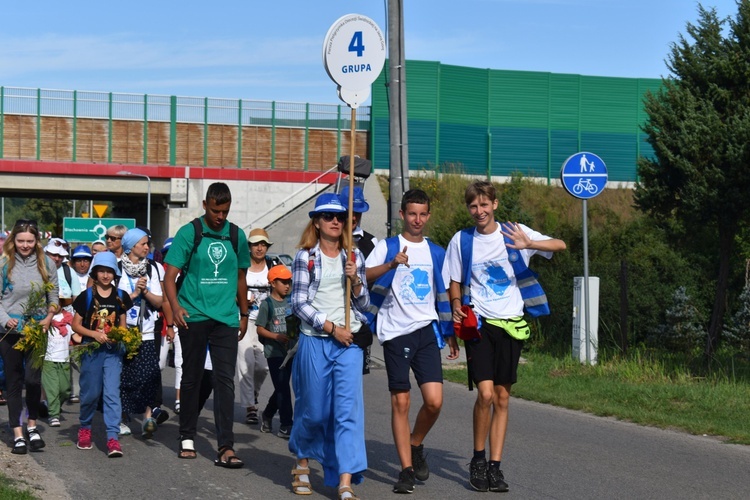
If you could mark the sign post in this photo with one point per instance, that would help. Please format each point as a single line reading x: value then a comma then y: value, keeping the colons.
x: 584, y: 175
x: 353, y: 55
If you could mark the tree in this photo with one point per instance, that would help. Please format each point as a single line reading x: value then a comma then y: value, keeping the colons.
x: 699, y: 127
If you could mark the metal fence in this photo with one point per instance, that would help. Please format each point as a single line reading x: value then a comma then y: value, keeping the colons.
x: 149, y: 109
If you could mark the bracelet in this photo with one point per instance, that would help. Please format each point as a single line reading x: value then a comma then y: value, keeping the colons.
x: 170, y: 326
x: 245, y: 315
x: 455, y: 298
x: 333, y: 329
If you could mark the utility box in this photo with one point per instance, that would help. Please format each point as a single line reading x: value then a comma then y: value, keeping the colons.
x: 579, y: 319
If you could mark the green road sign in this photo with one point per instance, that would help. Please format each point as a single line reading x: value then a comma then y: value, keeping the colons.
x: 88, y: 230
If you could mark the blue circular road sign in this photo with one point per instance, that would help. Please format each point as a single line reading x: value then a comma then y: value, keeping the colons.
x: 584, y: 175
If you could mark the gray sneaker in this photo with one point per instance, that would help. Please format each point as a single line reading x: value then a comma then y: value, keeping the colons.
x: 266, y: 425
x: 285, y: 431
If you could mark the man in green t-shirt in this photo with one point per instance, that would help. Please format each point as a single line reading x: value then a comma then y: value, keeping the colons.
x: 206, y: 311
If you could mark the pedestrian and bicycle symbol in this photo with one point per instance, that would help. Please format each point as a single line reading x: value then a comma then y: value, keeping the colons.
x: 584, y: 175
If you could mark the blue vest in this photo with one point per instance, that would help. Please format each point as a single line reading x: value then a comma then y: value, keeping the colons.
x: 382, y: 286
x: 534, y: 298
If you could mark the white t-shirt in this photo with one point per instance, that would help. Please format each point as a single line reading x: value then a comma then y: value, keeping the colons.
x: 127, y: 283
x: 58, y: 341
x: 83, y: 279
x: 410, y: 303
x: 329, y: 298
x: 258, y: 291
x: 494, y: 292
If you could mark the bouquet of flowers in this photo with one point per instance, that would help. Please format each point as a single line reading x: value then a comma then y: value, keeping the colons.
x: 127, y: 338
x: 33, y: 335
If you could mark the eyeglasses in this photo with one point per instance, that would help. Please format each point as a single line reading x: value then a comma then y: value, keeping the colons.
x: 114, y: 238
x: 25, y: 222
x: 329, y: 216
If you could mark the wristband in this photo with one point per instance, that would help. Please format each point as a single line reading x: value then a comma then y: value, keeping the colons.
x: 245, y: 315
x: 170, y: 326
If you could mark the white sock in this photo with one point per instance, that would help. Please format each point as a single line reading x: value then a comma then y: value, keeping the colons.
x: 33, y: 434
x: 346, y: 494
x: 303, y: 478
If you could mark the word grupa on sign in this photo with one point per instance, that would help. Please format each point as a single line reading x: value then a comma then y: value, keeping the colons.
x: 355, y: 68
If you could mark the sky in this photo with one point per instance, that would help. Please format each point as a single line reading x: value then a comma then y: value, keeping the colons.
x: 272, y: 50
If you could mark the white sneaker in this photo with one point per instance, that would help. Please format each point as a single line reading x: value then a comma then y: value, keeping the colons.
x: 124, y: 430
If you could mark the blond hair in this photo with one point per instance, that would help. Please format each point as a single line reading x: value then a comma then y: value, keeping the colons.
x: 311, y: 235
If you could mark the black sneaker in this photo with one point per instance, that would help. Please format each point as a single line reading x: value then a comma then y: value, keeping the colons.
x: 496, y: 478
x: 478, y: 474
x: 421, y: 470
x: 406, y: 480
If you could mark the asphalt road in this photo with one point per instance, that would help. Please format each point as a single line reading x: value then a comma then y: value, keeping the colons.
x: 550, y: 453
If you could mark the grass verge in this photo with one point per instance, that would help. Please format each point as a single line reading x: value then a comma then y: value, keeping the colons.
x: 636, y: 391
x: 10, y: 490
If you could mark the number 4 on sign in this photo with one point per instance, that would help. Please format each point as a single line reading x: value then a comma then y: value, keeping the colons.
x: 357, y: 45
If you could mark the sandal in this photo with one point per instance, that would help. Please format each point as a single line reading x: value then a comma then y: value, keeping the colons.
x: 19, y: 447
x: 297, y: 484
x: 228, y: 462
x: 343, y: 490
x: 3, y: 401
x: 187, y: 449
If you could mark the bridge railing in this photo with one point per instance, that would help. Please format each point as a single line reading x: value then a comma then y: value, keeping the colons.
x: 90, y: 126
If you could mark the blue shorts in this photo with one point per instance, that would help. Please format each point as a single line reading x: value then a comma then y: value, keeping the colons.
x: 417, y: 350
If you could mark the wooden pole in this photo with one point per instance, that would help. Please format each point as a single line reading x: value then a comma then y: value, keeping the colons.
x: 350, y: 214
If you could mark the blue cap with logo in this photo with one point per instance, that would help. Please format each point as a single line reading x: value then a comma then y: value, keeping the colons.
x: 327, y: 202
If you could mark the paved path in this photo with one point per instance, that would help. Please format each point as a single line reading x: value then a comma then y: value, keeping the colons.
x: 551, y: 453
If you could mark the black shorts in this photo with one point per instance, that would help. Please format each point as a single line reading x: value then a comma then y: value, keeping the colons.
x: 494, y: 357
x: 417, y: 350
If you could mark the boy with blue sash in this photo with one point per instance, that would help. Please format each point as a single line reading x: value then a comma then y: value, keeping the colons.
x: 490, y: 280
x: 410, y: 313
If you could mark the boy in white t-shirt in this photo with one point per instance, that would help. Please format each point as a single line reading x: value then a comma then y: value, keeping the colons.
x: 496, y: 299
x: 413, y: 318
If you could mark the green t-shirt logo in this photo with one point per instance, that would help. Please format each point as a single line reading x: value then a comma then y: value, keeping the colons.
x: 217, y: 253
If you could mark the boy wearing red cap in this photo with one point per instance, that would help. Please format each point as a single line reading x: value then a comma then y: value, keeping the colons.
x: 278, y: 336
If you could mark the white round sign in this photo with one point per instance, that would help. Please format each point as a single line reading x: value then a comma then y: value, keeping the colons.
x: 354, y: 52
x: 354, y: 98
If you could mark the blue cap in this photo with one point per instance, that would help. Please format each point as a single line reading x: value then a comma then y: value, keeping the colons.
x: 167, y: 245
x: 360, y: 205
x: 81, y: 252
x: 104, y: 259
x: 131, y: 238
x: 327, y: 202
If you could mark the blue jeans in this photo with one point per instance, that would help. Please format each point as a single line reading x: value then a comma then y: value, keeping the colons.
x: 281, y: 399
x: 100, y: 378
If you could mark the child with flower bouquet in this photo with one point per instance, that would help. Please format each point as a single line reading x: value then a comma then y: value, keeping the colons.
x: 56, y: 368
x: 99, y: 310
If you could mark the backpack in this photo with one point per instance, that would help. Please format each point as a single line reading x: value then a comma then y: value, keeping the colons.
x: 234, y: 231
x: 68, y: 276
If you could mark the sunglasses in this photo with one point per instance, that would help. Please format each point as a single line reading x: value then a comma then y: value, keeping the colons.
x: 60, y: 244
x: 114, y: 238
x: 25, y: 222
x: 329, y: 216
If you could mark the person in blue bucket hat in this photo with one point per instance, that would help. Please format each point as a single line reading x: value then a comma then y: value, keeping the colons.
x: 326, y: 374
x: 365, y: 242
x: 97, y: 310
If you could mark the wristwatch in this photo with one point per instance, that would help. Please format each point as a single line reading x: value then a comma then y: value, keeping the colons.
x: 245, y: 315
